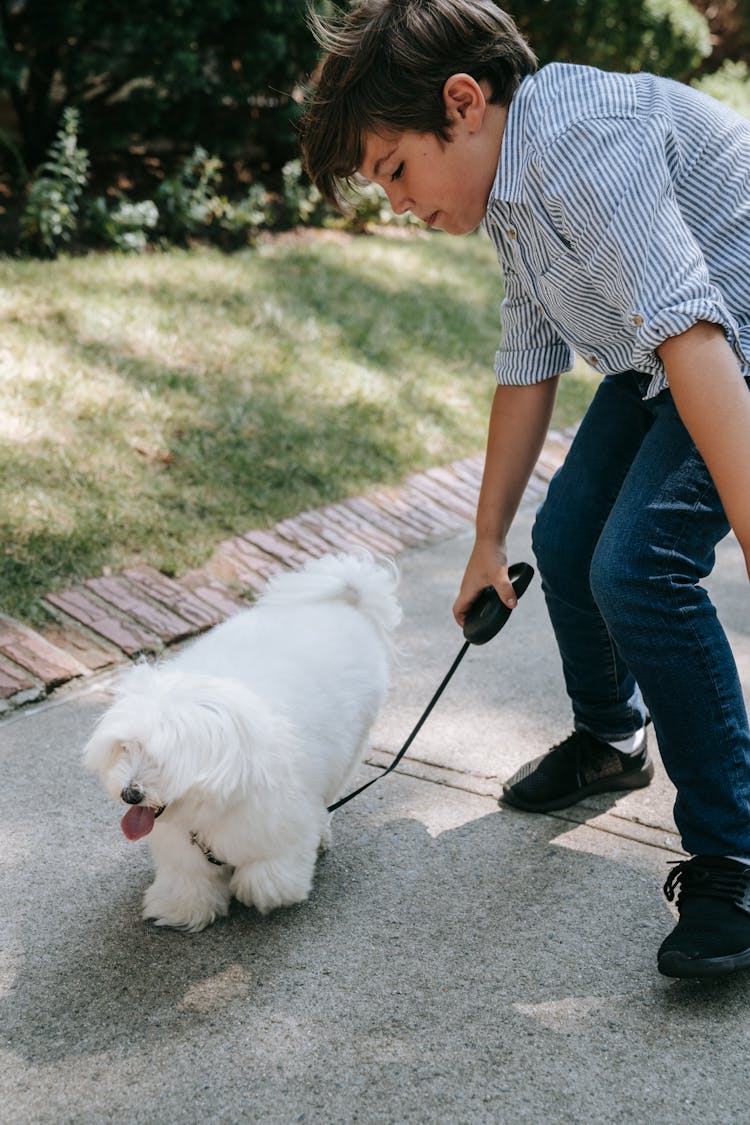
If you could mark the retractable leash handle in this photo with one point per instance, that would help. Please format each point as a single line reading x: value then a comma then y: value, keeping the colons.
x: 484, y: 620
x: 487, y: 614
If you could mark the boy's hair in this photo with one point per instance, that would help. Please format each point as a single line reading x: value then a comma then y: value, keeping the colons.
x: 386, y: 64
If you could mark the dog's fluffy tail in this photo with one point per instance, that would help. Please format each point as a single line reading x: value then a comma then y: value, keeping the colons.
x: 357, y: 579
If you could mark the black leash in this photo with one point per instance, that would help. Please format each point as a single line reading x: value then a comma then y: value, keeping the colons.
x: 484, y: 619
x: 412, y: 736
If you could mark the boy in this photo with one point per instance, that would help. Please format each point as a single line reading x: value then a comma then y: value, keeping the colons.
x: 619, y: 206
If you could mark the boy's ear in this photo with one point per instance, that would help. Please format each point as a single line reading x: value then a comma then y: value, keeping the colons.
x: 464, y: 101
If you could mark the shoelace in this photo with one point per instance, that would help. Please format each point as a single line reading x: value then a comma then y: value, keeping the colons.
x: 567, y: 743
x: 590, y: 757
x: 694, y: 877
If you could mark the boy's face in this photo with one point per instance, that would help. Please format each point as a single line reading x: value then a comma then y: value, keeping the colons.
x: 444, y: 183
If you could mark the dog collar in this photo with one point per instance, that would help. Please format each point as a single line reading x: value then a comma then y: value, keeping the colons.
x: 195, y: 839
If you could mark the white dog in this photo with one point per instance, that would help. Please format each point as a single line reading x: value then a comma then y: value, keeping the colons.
x: 230, y: 752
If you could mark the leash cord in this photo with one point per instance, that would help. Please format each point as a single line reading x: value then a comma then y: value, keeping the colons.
x: 412, y: 736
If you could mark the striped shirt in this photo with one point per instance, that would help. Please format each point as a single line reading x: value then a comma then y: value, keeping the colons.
x: 620, y: 213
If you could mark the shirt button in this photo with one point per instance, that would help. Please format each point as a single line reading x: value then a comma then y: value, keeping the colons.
x: 636, y: 319
x: 511, y: 232
x: 539, y: 309
x: 593, y: 360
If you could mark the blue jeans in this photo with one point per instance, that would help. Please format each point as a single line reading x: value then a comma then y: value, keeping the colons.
x: 622, y: 541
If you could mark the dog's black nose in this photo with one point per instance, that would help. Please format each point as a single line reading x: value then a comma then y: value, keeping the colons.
x: 132, y: 795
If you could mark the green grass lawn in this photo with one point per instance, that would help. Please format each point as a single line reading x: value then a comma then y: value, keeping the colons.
x: 154, y: 405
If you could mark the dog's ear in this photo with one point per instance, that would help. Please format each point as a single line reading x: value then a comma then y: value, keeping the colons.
x: 233, y: 742
x: 102, y: 750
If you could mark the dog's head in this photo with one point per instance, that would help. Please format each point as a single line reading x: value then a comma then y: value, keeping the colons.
x: 170, y: 734
x: 130, y: 772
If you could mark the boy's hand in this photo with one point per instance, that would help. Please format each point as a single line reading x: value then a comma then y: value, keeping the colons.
x: 487, y: 566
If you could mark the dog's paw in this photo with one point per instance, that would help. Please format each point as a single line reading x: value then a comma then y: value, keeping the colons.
x: 271, y: 883
x: 183, y: 908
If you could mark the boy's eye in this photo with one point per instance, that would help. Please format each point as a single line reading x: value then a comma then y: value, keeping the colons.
x: 398, y: 172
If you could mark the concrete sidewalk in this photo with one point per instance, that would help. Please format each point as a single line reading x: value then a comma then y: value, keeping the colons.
x: 455, y: 963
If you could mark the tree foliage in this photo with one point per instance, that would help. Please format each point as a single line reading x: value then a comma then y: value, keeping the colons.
x: 729, y: 22
x: 664, y: 36
x: 216, y: 72
x: 154, y: 80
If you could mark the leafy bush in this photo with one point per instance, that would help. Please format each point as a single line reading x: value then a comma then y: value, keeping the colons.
x: 301, y: 203
x: 369, y: 206
x: 188, y: 200
x: 127, y: 226
x: 239, y: 221
x: 676, y: 38
x: 50, y: 217
x: 665, y: 36
x: 730, y: 84
x: 221, y: 73
x: 189, y: 204
x: 729, y: 21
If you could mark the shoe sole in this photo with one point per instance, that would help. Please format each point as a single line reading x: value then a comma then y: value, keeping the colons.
x: 620, y: 784
x: 679, y: 965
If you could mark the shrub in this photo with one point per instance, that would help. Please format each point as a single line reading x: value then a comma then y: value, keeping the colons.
x: 665, y: 36
x: 188, y: 200
x: 301, y: 203
x: 221, y: 73
x: 127, y: 226
x: 50, y: 217
x: 240, y: 220
x: 676, y: 38
x: 370, y: 207
x: 730, y: 84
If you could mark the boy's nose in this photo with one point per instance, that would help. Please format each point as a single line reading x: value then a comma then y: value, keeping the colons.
x: 399, y: 201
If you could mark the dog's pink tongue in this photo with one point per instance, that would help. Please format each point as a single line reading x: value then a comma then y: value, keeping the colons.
x: 138, y: 821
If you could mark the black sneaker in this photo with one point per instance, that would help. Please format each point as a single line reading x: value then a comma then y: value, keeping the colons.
x: 712, y: 936
x: 574, y: 769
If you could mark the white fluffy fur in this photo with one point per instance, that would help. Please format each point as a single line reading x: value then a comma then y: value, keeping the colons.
x: 248, y: 734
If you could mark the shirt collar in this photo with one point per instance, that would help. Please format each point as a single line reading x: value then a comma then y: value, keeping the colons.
x: 513, y: 150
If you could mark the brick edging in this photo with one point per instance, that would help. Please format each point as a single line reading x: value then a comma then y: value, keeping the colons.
x: 108, y: 620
